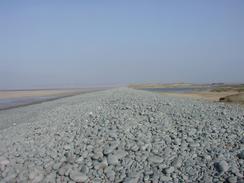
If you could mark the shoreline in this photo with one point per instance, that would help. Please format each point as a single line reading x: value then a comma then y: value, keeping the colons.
x: 36, y: 102
x: 216, y: 92
x: 28, y: 97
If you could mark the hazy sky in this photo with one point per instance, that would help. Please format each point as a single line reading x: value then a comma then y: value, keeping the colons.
x: 78, y: 43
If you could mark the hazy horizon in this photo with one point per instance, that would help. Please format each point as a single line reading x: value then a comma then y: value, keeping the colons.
x: 60, y: 44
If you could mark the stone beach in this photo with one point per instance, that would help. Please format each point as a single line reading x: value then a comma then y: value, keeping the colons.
x: 123, y: 135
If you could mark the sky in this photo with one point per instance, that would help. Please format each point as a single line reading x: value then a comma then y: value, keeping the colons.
x: 61, y: 43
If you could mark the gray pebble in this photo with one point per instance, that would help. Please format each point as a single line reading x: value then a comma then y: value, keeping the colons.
x: 156, y: 159
x: 241, y: 154
x: 77, y: 176
x: 232, y: 179
x: 169, y: 170
x: 130, y: 136
x: 221, y: 166
x: 36, y: 176
x: 113, y: 160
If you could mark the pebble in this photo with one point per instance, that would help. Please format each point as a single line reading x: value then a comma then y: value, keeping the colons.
x: 192, y: 132
x: 186, y: 141
x: 121, y: 154
x: 241, y: 154
x: 103, y: 164
x: 208, y: 158
x: 242, y: 140
x: 232, y: 179
x: 132, y: 180
x: 77, y: 176
x: 165, y: 178
x: 50, y: 178
x: 79, y: 160
x: 111, y: 175
x: 156, y: 159
x: 113, y: 160
x: 3, y: 163
x: 36, y: 176
x: 177, y: 162
x: 169, y: 170
x: 57, y: 165
x: 221, y: 166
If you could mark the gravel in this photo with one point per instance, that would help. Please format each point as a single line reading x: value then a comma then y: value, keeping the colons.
x: 123, y: 135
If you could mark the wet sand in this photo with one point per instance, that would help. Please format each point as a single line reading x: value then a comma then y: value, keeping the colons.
x: 36, y: 93
x: 16, y: 98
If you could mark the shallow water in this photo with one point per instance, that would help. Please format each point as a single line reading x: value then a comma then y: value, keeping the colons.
x: 12, y: 102
x: 6, y: 103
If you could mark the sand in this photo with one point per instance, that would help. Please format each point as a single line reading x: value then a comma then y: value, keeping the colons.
x: 17, y: 98
x: 211, y: 96
x: 34, y: 93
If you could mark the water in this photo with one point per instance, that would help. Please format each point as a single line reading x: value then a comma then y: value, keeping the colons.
x: 173, y: 90
x: 12, y: 102
x: 6, y: 103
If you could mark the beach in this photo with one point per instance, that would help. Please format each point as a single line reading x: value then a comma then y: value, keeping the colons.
x: 122, y: 135
x: 231, y: 93
x: 15, y: 98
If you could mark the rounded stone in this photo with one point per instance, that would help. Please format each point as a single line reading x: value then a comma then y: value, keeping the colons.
x: 232, y: 179
x: 36, y: 176
x: 221, y: 166
x: 241, y: 154
x: 78, y: 176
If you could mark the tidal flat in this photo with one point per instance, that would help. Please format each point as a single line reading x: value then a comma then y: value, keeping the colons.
x: 16, y: 98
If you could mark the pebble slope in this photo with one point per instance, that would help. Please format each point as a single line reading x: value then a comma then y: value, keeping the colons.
x: 124, y: 135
